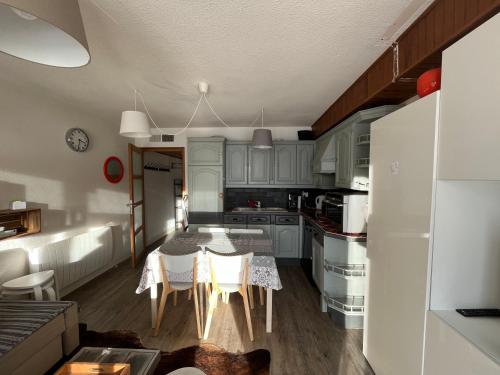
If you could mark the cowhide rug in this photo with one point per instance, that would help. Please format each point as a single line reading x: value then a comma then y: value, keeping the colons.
x: 207, y: 357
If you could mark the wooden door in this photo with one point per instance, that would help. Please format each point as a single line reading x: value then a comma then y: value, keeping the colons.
x: 285, y: 164
x: 305, y: 154
x: 259, y: 166
x: 236, y: 164
x: 136, y: 202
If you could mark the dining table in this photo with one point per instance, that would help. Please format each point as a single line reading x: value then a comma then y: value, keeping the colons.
x: 262, y: 268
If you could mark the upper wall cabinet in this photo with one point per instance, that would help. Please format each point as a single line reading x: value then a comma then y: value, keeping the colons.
x: 352, y: 148
x: 236, y: 163
x: 470, y: 119
x: 343, y: 173
x: 259, y: 166
x: 285, y: 164
x: 305, y: 154
x: 288, y: 163
x: 206, y: 151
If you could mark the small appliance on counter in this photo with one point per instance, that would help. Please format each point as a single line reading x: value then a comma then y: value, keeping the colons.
x: 319, y: 201
x: 346, y: 209
x: 293, y: 201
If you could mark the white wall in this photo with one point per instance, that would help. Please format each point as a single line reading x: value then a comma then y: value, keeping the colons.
x: 36, y: 165
x: 466, y: 255
x: 159, y: 195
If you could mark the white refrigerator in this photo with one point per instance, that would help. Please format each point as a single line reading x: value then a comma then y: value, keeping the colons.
x: 402, y: 181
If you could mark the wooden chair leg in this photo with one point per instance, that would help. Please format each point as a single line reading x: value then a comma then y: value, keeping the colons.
x: 261, y: 295
x: 250, y: 296
x: 247, y: 313
x: 175, y: 298
x: 161, y: 310
x: 208, y: 291
x: 190, y: 292
x: 213, y: 301
x: 197, y: 313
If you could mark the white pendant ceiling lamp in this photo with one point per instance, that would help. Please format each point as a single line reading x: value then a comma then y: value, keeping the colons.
x: 135, y: 124
x: 48, y: 32
x: 262, y: 138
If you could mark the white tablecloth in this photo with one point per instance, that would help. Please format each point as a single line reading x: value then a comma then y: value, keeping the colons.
x: 263, y: 270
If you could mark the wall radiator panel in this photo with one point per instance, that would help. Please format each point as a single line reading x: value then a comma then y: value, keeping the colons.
x: 75, y: 258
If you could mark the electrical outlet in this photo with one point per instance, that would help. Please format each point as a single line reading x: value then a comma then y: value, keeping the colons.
x: 305, y: 194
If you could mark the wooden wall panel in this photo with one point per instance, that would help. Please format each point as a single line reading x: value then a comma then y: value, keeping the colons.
x: 420, y: 47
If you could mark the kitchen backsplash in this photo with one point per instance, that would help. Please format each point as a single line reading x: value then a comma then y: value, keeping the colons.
x: 238, y: 197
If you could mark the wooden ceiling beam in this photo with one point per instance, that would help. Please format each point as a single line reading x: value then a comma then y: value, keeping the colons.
x: 419, y: 48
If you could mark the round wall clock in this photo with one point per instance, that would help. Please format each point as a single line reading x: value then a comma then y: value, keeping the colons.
x: 77, y: 139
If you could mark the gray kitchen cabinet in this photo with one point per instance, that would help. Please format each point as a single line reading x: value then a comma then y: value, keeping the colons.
x: 343, y: 169
x: 267, y: 229
x: 205, y: 184
x: 286, y: 241
x: 206, y: 151
x: 285, y: 164
x: 236, y: 163
x: 305, y: 154
x: 259, y: 166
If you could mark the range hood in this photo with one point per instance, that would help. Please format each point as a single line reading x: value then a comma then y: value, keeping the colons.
x: 324, y: 158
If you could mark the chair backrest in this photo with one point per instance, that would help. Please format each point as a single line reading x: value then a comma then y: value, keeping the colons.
x: 247, y: 231
x: 229, y: 269
x: 180, y: 264
x: 212, y: 230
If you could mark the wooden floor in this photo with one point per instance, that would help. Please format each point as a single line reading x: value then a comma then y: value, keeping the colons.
x: 304, y: 340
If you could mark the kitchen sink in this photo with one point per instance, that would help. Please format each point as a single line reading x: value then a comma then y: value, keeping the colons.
x: 261, y: 209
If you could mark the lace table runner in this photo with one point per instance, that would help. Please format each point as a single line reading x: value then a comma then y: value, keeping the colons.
x: 263, y: 270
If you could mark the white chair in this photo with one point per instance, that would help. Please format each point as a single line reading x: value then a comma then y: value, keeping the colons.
x: 34, y: 283
x: 229, y: 274
x: 250, y: 287
x: 212, y: 230
x: 187, y: 371
x: 247, y: 231
x: 181, y: 264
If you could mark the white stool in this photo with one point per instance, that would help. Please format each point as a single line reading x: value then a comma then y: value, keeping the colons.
x: 187, y: 371
x: 34, y: 283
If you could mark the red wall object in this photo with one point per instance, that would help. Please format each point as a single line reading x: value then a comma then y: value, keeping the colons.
x: 113, y: 178
x: 429, y: 82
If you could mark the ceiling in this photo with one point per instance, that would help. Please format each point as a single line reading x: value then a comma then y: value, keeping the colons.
x: 293, y: 57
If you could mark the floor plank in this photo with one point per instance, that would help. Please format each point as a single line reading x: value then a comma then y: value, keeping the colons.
x: 304, y: 340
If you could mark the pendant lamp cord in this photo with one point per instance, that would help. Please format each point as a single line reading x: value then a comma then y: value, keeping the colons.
x: 202, y: 96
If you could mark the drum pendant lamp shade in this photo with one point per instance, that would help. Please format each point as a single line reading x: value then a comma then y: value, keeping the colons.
x: 48, y: 32
x: 262, y: 138
x: 134, y: 124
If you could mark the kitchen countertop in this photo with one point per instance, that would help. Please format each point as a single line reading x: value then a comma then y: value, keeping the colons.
x: 287, y: 212
x: 312, y: 216
x: 321, y: 223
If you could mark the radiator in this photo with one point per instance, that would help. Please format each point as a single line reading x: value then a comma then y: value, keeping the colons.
x: 76, y: 258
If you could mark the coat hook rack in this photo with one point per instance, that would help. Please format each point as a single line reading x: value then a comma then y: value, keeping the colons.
x: 156, y: 167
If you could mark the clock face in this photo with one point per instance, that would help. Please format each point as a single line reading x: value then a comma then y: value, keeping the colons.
x: 77, y: 139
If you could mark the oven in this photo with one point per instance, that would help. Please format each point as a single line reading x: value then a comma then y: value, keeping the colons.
x: 346, y: 211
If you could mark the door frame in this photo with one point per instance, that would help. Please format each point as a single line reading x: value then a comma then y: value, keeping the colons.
x: 132, y: 204
x: 182, y: 151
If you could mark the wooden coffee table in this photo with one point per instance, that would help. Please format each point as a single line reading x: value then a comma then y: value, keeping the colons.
x: 142, y: 361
